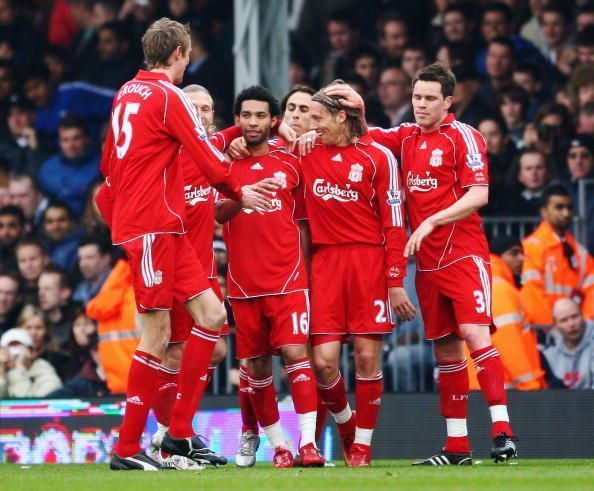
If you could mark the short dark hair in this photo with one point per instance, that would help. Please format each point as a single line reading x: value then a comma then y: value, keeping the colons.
x: 55, y: 203
x: 385, y: 19
x: 37, y: 72
x: 298, y: 88
x: 118, y: 28
x: 30, y: 241
x: 366, y: 51
x: 53, y: 269
x: 73, y: 121
x: 23, y: 176
x: 436, y: 72
x: 529, y: 68
x: 502, y: 40
x: 498, y: 121
x: 257, y: 93
x: 500, y: 7
x: 553, y: 190
x: 103, y: 245
x: 586, y: 37
x: 514, y: 94
x: 344, y: 16
x: 13, y: 211
x: 557, y: 7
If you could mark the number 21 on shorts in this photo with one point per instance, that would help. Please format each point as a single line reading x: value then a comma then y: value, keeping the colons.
x: 300, y: 323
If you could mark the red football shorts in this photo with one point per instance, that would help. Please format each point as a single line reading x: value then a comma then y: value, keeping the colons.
x: 182, y: 322
x: 349, y: 293
x: 457, y: 294
x: 265, y: 324
x: 164, y: 268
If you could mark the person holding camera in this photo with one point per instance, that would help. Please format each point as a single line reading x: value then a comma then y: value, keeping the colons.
x: 21, y: 374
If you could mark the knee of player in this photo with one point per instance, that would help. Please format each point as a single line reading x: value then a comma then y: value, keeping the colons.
x: 219, y: 352
x: 173, y: 356
x: 323, y: 366
x: 293, y: 353
x: 215, y: 318
x: 367, y: 363
x: 260, y: 367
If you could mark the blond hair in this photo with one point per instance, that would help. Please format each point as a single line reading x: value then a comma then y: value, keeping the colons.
x: 161, y: 39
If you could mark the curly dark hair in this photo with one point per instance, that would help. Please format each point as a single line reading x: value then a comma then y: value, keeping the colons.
x: 257, y: 93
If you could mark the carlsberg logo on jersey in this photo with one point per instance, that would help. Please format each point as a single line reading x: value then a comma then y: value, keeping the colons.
x: 195, y: 195
x: 327, y: 191
x: 422, y: 184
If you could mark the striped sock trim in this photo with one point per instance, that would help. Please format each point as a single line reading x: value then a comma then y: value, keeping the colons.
x: 299, y: 365
x: 147, y: 359
x: 243, y: 374
x: 453, y: 367
x: 260, y: 383
x: 489, y: 354
x: 331, y: 385
x: 378, y: 376
x: 168, y: 370
x: 204, y: 334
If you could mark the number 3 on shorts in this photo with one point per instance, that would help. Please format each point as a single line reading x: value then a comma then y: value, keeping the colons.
x: 479, y: 296
x: 300, y: 323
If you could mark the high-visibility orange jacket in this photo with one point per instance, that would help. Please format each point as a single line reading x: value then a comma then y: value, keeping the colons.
x: 114, y: 309
x: 548, y: 275
x: 517, y: 346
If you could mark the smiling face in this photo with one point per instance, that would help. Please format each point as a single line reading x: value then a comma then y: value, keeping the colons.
x: 429, y: 104
x: 297, y: 113
x: 329, y: 126
x: 255, y: 121
x: 203, y: 103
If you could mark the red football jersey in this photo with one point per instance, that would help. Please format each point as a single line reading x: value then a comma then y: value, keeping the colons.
x: 436, y: 169
x: 353, y: 197
x: 200, y: 200
x: 151, y: 119
x: 265, y: 256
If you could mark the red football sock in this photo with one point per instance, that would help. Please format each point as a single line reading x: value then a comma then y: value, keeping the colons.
x: 368, y: 396
x: 264, y: 400
x: 322, y: 417
x: 335, y: 399
x: 490, y: 375
x: 194, y: 367
x: 249, y: 419
x: 142, y: 379
x: 305, y: 398
x: 166, y: 392
x: 453, y: 401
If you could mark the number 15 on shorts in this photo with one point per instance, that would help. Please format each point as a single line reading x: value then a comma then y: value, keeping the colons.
x: 300, y: 323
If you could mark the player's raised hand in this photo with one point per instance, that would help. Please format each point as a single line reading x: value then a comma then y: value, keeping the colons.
x: 238, y: 149
x: 348, y: 96
x: 414, y: 242
x: 306, y: 142
x: 288, y: 134
x: 401, y: 303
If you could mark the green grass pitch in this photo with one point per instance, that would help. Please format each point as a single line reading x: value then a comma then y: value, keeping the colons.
x: 541, y: 475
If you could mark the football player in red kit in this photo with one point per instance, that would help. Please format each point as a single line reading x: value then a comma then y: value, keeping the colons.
x: 356, y: 219
x: 267, y: 279
x: 445, y: 172
x: 150, y: 120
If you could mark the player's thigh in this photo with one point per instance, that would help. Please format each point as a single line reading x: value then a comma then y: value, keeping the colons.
x: 328, y: 307
x: 288, y: 318
x: 251, y: 329
x: 152, y: 270
x: 470, y: 292
x: 437, y: 309
x: 368, y: 307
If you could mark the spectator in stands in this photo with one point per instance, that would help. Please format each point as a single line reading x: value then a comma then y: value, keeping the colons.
x: 12, y: 229
x: 467, y: 104
x: 394, y: 95
x: 115, y: 62
x: 367, y: 64
x: 497, y: 23
x: 533, y: 175
x: 104, y: 11
x: 52, y: 103
x: 556, y: 265
x: 7, y: 89
x: 24, y: 147
x: 57, y: 62
x: 92, y: 222
x: 585, y: 17
x: 586, y: 120
x: 531, y: 30
x: 82, y: 46
x: 25, y: 193
x: 15, y: 31
x: 581, y: 86
x: 501, y: 150
x: 94, y: 262
x: 555, y: 23
x: 570, y: 358
x: 114, y: 309
x: 55, y: 300
x: 45, y: 346
x: 414, y: 57
x: 580, y: 165
x: 10, y: 301
x: 514, y: 340
x: 32, y: 259
x: 457, y: 24
x: 22, y: 375
x: 67, y: 175
x: 60, y: 236
x: 61, y: 24
x: 343, y: 37
x: 500, y: 62
x: 393, y: 37
x: 584, y: 46
x: 528, y: 77
x: 454, y: 54
x: 513, y: 106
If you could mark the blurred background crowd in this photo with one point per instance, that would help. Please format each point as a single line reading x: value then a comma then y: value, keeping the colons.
x: 525, y: 71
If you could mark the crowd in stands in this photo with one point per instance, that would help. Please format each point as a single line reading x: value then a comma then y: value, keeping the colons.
x: 525, y: 71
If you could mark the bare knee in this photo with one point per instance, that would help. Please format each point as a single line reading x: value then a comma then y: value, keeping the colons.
x: 325, y: 369
x: 214, y: 318
x: 173, y: 356
x: 448, y: 349
x: 260, y: 367
x: 291, y: 354
x: 219, y: 352
x: 367, y: 363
